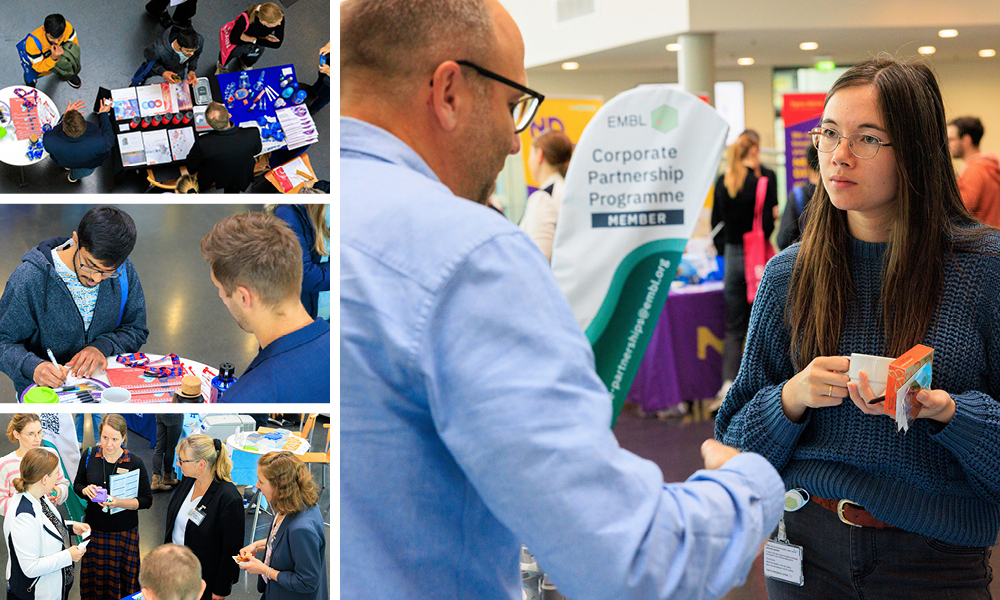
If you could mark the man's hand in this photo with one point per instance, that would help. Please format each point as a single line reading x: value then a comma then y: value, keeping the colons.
x: 78, y: 106
x: 325, y: 69
x: 87, y: 362
x: 171, y: 77
x: 716, y: 454
x: 56, y: 50
x: 48, y: 375
x: 192, y: 79
x: 105, y: 106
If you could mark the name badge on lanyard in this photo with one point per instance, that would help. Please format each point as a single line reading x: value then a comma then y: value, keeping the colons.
x: 197, y: 515
x: 782, y: 559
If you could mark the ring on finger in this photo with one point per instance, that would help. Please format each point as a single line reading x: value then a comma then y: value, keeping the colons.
x: 831, y: 392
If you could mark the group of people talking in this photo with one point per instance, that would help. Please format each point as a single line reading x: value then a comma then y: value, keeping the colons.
x: 205, y: 514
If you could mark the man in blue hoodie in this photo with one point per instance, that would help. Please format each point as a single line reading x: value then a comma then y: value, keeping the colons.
x: 66, y: 296
x: 78, y: 146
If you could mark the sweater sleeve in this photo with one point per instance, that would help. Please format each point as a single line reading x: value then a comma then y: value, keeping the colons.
x: 751, y: 417
x: 17, y: 325
x: 145, y: 493
x: 80, y: 481
x: 279, y: 32
x: 239, y: 27
x: 9, y: 469
x: 973, y: 434
x: 107, y: 130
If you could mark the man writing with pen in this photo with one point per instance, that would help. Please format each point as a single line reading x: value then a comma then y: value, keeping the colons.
x: 174, y: 56
x: 79, y: 297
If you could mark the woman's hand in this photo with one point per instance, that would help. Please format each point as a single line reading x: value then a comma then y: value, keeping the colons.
x: 90, y: 492
x: 250, y: 550
x: 253, y: 566
x: 821, y: 384
x: 80, y: 528
x: 935, y: 404
x: 77, y: 552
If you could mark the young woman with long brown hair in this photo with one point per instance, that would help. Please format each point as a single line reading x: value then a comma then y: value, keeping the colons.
x: 890, y: 259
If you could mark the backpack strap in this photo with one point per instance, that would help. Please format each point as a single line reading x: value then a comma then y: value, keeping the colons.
x: 123, y: 283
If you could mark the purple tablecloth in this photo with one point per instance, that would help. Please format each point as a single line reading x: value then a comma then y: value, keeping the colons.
x: 674, y: 368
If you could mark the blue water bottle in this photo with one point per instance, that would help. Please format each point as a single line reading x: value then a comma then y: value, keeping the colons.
x: 222, y: 382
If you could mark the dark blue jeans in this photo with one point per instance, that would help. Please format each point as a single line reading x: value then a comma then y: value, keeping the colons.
x: 737, y: 311
x: 841, y: 561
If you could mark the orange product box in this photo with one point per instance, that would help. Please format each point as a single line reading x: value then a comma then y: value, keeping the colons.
x: 901, y: 370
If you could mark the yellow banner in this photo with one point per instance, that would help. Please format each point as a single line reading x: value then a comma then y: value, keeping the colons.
x: 569, y: 115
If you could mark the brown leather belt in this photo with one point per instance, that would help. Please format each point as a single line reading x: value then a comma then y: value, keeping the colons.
x: 851, y: 513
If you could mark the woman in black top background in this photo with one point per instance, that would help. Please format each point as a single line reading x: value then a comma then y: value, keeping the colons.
x: 258, y: 27
x: 735, y: 197
x: 110, y: 568
x: 215, y: 528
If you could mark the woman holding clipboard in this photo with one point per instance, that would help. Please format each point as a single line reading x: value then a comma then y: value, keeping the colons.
x: 110, y: 569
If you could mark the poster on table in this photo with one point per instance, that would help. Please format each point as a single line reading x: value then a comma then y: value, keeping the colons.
x: 800, y: 112
x: 568, y: 115
x: 634, y: 190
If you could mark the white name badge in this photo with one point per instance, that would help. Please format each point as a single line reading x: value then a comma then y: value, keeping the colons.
x: 783, y: 562
x: 197, y: 515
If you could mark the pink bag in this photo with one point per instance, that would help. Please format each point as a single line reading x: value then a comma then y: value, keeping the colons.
x: 225, y: 47
x: 757, y: 249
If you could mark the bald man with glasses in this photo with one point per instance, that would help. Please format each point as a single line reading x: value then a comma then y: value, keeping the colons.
x: 78, y: 297
x: 472, y: 420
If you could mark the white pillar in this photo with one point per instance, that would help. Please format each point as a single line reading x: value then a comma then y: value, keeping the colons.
x: 696, y: 64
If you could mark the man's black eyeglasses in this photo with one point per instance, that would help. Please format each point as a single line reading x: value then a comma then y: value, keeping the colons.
x: 526, y: 107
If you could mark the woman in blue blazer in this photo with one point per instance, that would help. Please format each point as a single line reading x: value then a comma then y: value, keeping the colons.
x: 294, y: 564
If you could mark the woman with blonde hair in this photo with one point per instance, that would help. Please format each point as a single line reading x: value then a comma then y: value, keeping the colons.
x: 294, y: 565
x: 40, y: 564
x: 206, y: 513
x: 258, y: 27
x: 110, y: 570
x: 25, y: 429
x: 311, y: 224
x: 548, y: 160
x: 734, y: 202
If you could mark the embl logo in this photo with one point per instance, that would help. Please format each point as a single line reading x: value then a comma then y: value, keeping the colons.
x: 664, y: 118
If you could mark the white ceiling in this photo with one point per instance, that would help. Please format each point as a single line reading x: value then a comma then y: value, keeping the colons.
x: 780, y: 48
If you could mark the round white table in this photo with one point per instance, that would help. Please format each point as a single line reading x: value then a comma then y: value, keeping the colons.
x: 12, y: 150
x: 191, y: 367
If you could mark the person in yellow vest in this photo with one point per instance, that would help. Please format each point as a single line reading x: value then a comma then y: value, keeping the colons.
x: 44, y: 46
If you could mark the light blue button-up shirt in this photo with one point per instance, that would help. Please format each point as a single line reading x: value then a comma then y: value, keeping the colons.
x: 472, y: 420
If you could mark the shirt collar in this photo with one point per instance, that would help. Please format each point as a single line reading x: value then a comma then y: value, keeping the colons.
x: 359, y: 139
x: 291, y: 341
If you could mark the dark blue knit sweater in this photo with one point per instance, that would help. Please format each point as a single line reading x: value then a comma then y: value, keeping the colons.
x: 942, y: 481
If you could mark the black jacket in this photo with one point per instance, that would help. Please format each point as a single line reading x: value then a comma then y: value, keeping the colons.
x: 217, y: 539
x: 225, y: 158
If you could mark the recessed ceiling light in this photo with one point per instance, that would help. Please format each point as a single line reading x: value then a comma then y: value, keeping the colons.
x: 674, y: 47
x: 745, y: 61
x: 988, y: 53
x: 808, y: 46
x: 927, y: 49
x: 570, y: 66
x: 948, y: 33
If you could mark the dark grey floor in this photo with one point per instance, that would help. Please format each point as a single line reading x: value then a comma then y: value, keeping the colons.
x: 675, y: 445
x: 152, y: 522
x: 112, y: 35
x: 183, y: 311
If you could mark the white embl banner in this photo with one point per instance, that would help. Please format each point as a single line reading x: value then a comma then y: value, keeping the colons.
x: 637, y: 183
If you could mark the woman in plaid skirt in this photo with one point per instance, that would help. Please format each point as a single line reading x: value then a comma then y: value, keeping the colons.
x: 110, y: 568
